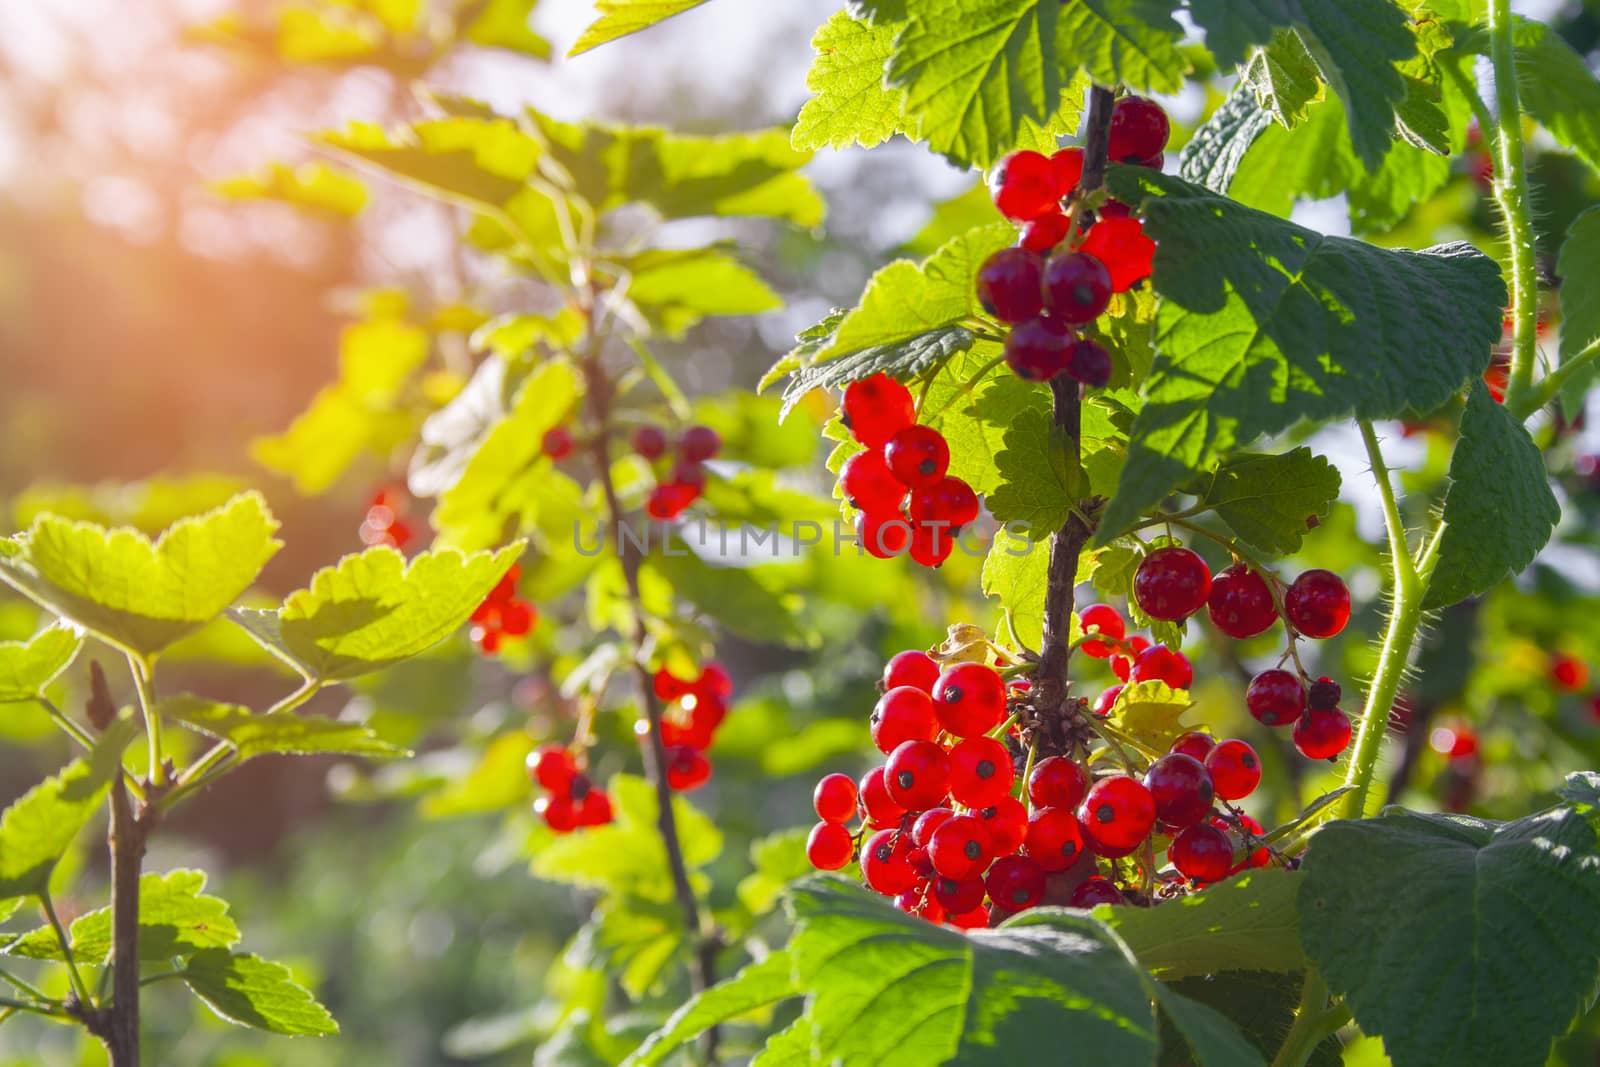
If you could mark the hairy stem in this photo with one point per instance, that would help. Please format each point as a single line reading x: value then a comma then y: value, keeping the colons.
x: 1549, y: 387
x: 1511, y: 193
x: 1314, y: 1021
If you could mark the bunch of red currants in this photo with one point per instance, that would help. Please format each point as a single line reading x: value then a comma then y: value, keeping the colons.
x: 685, y: 479
x: 695, y: 708
x: 503, y: 614
x: 572, y: 800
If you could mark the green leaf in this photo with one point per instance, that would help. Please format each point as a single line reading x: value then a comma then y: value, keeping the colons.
x: 1579, y: 270
x: 1014, y: 572
x: 757, y: 985
x: 1499, y: 510
x: 253, y: 734
x: 1211, y: 1036
x: 1039, y: 482
x: 627, y: 856
x: 991, y: 997
x: 38, y: 828
x: 1557, y: 87
x: 315, y: 186
x: 676, y: 288
x: 1356, y: 44
x: 1269, y: 500
x: 1452, y: 938
x: 504, y: 24
x: 27, y: 667
x: 1263, y: 323
x: 1233, y: 26
x: 137, y: 595
x: 1150, y: 711
x: 850, y: 103
x: 480, y: 160
x: 251, y: 991
x: 630, y: 939
x: 1127, y: 42
x: 619, y: 18
x: 374, y: 609
x: 1581, y: 788
x: 743, y: 600
x: 175, y: 919
x: 775, y: 860
x: 1283, y: 78
x: 902, y: 360
x: 1248, y: 922
x: 1261, y: 1004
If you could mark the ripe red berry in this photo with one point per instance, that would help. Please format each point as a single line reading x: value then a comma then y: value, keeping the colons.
x: 918, y: 456
x: 506, y: 587
x: 835, y: 798
x: 1196, y: 744
x: 885, y: 863
x: 557, y: 442
x: 883, y: 534
x: 1023, y: 186
x: 1054, y: 840
x: 1322, y: 733
x: 976, y: 919
x: 1044, y: 233
x: 981, y: 772
x: 1121, y: 244
x: 869, y: 484
x: 1106, y: 701
x: 1240, y: 604
x: 687, y: 768
x: 1235, y: 769
x: 1015, y: 882
x: 1115, y: 209
x: 670, y: 499
x: 1011, y: 284
x: 1275, y: 697
x: 1181, y: 788
x: 690, y: 473
x: 1117, y: 815
x: 957, y: 896
x: 961, y: 847
x: 1317, y: 603
x: 714, y: 683
x: 949, y: 502
x: 903, y: 714
x: 880, y: 808
x: 1102, y: 619
x: 1171, y: 583
x: 969, y: 699
x: 829, y: 846
x: 594, y: 809
x: 488, y: 640
x: 1568, y: 672
x: 558, y: 812
x: 1161, y: 664
x: 1057, y: 782
x: 874, y: 408
x: 918, y: 900
x: 1090, y: 363
x: 931, y: 544
x: 918, y: 775
x: 916, y: 669
x: 650, y: 442
x: 1202, y: 853
x: 1324, y: 694
x: 517, y: 618
x: 1007, y: 821
x: 1122, y: 666
x: 1139, y: 130
x: 1077, y: 287
x: 553, y: 767
x: 1096, y: 890
x: 699, y: 443
x: 1036, y: 350
x: 929, y: 821
x: 1067, y: 166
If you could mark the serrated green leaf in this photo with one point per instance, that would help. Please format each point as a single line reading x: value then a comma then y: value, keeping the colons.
x: 138, y: 595
x: 27, y: 667
x: 757, y: 985
x: 1115, y: 565
x: 175, y: 919
x: 1263, y: 323
x: 1233, y: 26
x: 1039, y: 481
x: 374, y: 609
x: 619, y: 18
x: 1581, y: 788
x: 973, y: 400
x: 1579, y: 270
x: 627, y: 856
x: 250, y: 991
x: 1283, y: 78
x: 504, y: 24
x: 1248, y: 922
x: 850, y: 103
x: 1268, y: 500
x: 1218, y: 148
x: 902, y: 360
x: 1014, y: 572
x: 1499, y: 510
x: 314, y: 186
x: 1356, y: 44
x: 676, y: 288
x: 775, y: 861
x: 255, y: 734
x: 1150, y: 712
x: 1123, y: 42
x: 1426, y: 925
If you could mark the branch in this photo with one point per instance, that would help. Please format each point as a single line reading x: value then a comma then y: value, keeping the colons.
x: 118, y: 1025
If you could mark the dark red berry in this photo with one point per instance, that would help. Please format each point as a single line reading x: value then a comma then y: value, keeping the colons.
x: 1015, y: 883
x: 1054, y: 840
x: 1011, y: 284
x: 1090, y: 363
x: 904, y: 713
x: 1077, y: 287
x: 932, y: 543
x: 650, y: 442
x: 918, y: 900
x: 929, y: 821
x: 1317, y: 603
x: 1115, y: 209
x: 1121, y: 244
x: 1235, y: 769
x: 1117, y: 815
x: 885, y: 863
x: 918, y: 775
x: 835, y: 798
x: 918, y: 456
x: 958, y: 896
x: 1275, y: 697
x: 1023, y: 186
x: 557, y: 442
x: 1007, y: 821
x: 687, y: 768
x: 1325, y: 694
x: 1057, y: 782
x: 869, y: 484
x: 1322, y: 733
x: 961, y: 847
x: 1202, y: 853
x: 1568, y: 672
x: 594, y: 809
x: 1240, y: 604
x: 670, y: 499
x: 553, y: 767
x: 1096, y: 890
x: 883, y: 534
x: 1101, y: 619
x: 916, y: 669
x: 1171, y: 583
x: 1158, y: 663
x: 969, y: 699
x: 1044, y: 233
x: 1139, y: 130
x: 1196, y: 744
x: 1106, y: 701
x: 1036, y: 350
x: 876, y: 803
x: 981, y: 772
x: 699, y: 443
x: 1067, y: 166
x: 1181, y: 788
x: 874, y: 408
x: 949, y: 502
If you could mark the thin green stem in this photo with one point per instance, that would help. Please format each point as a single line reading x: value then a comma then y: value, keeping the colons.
x: 140, y: 669
x: 61, y: 719
x: 212, y: 763
x: 162, y: 977
x: 26, y: 987
x: 79, y: 986
x: 1405, y: 574
x: 1027, y: 770
x: 1314, y: 1021
x: 21, y: 1005
x: 1511, y: 193
x: 1550, y: 386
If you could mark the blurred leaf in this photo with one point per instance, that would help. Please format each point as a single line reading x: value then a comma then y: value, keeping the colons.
x: 747, y: 601
x: 1248, y: 922
x: 175, y: 920
x: 1579, y: 270
x: 751, y: 433
x: 1582, y: 789
x: 480, y: 160
x: 254, y: 992
x: 676, y: 288
x: 255, y: 734
x: 27, y: 667
x: 952, y: 218
x: 619, y: 18
x: 504, y: 24
x: 150, y: 505
x: 777, y: 860
x: 1014, y: 573
x: 757, y: 985
x: 632, y: 939
x: 315, y: 186
x: 499, y: 781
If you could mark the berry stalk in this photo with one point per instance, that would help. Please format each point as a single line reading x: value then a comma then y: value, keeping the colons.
x: 1511, y: 193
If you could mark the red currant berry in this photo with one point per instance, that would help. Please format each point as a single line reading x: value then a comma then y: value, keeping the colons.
x: 557, y: 442
x: 1240, y: 604
x: 1057, y: 782
x: 553, y: 767
x: 969, y: 699
x: 1275, y: 697
x: 1568, y: 672
x: 670, y: 499
x: 883, y: 534
x: 1036, y: 350
x: 1139, y: 130
x: 558, y: 812
x: 687, y: 769
x: 650, y: 442
x: 1202, y: 853
x: 1248, y: 830
x: 714, y: 683
x: 1077, y: 287
x: 961, y: 847
x: 869, y: 484
x: 958, y: 896
x: 918, y: 456
x: 688, y: 472
x: 916, y: 669
x: 1121, y: 244
x: 1101, y: 619
x: 1325, y: 694
x: 1196, y: 744
x: 903, y: 714
x: 1023, y: 186
x: 506, y: 587
x: 1090, y: 363
x: 919, y: 901
x: 976, y: 919
x: 1015, y: 882
x: 1044, y: 233
x: 594, y: 809
x: 699, y: 443
x: 517, y: 618
x: 1317, y: 603
x: 922, y: 865
x: 1106, y: 701
x: 879, y: 807
x: 1322, y: 733
x: 1096, y: 890
x: 1182, y: 789
x: 1011, y: 284
x: 1067, y: 166
x: 1007, y: 821
x: 1161, y: 664
x: 918, y: 775
x: 929, y: 821
x: 488, y: 640
x: 885, y: 862
x: 949, y: 502
x: 1117, y: 815
x: 931, y: 544
x: 874, y: 408
x: 1171, y: 583
x: 1122, y: 666
x: 1054, y: 840
x: 835, y: 798
x: 1235, y: 769
x: 981, y: 772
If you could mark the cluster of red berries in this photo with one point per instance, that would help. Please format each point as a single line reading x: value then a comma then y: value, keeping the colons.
x: 695, y: 708
x: 687, y: 478
x: 900, y: 482
x: 1060, y: 278
x: 1572, y: 675
x: 571, y: 800
x: 503, y: 614
x: 384, y: 523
